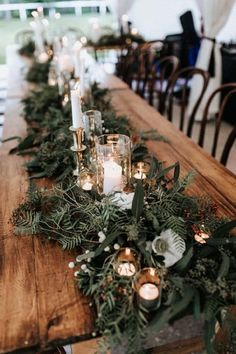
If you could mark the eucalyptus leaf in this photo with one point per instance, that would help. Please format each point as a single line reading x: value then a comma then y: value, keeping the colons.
x: 138, y: 200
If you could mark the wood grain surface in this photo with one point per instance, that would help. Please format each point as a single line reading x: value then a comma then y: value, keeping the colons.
x: 39, y: 304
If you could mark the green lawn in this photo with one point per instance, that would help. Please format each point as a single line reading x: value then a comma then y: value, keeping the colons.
x: 9, y: 28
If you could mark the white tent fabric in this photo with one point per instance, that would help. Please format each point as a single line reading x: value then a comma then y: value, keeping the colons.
x: 214, y: 18
x: 120, y: 7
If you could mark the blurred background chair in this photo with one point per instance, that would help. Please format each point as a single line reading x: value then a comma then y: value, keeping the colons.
x: 229, y: 97
x: 161, y: 74
x: 179, y: 92
x: 228, y: 146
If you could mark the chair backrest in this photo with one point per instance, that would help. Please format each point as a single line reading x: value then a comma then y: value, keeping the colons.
x: 136, y: 67
x: 161, y: 75
x: 229, y: 95
x: 228, y: 145
x: 181, y: 80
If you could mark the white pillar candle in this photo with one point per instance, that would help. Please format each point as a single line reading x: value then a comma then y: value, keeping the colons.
x: 82, y: 72
x: 77, y: 114
x: 112, y: 177
x: 126, y: 269
x: 124, y: 23
x: 77, y: 58
x: 149, y: 291
x: 65, y: 63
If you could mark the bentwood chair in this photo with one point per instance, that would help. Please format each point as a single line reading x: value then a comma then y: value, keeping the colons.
x: 180, y: 87
x: 161, y: 75
x: 137, y: 64
x: 228, y: 146
x: 231, y: 94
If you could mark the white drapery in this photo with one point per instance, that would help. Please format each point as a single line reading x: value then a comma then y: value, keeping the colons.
x: 215, y: 15
x: 120, y: 7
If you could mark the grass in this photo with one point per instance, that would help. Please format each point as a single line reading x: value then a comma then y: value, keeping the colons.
x: 9, y: 28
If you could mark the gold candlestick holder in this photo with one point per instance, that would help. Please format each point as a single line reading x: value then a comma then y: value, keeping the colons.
x: 78, y: 148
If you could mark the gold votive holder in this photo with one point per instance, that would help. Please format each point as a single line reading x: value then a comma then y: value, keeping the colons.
x: 140, y: 170
x: 126, y: 262
x: 113, y: 162
x: 147, y: 285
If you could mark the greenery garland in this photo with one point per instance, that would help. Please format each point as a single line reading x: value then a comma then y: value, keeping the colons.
x: 161, y: 220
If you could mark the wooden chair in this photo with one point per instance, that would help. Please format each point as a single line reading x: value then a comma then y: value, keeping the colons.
x: 228, y: 145
x: 136, y: 70
x: 181, y: 82
x: 161, y: 74
x: 228, y: 96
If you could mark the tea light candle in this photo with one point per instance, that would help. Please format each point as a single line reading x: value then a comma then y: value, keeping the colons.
x: 126, y: 269
x: 126, y: 262
x: 141, y: 169
x: 87, y: 184
x: 149, y: 291
x: 112, y: 177
x: 147, y: 284
x: 77, y: 114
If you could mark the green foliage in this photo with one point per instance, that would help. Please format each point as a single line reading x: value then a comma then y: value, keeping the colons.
x: 28, y: 49
x: 38, y: 73
x: 113, y: 39
x: 201, y: 282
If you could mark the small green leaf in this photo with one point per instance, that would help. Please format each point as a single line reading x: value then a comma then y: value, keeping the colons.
x: 224, y: 229
x: 183, y: 263
x: 138, y: 201
x: 166, y: 170
x: 27, y: 142
x: 11, y: 138
x: 109, y: 239
x: 224, y: 267
x: 176, y: 172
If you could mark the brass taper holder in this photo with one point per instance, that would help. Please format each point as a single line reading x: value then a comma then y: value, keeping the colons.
x: 78, y: 148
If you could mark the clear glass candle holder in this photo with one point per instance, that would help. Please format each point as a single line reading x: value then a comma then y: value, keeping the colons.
x: 147, y: 285
x: 93, y: 128
x: 113, y: 162
x: 140, y: 170
x: 87, y: 180
x: 126, y: 262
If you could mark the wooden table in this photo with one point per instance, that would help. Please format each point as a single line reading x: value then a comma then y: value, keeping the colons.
x: 39, y: 304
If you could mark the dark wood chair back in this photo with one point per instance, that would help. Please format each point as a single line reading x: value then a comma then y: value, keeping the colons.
x: 161, y: 75
x: 228, y: 145
x: 228, y: 96
x: 182, y: 80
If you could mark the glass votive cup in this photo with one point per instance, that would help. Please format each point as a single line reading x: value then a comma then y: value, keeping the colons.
x: 87, y: 180
x: 140, y: 170
x: 147, y: 285
x: 93, y: 126
x: 113, y: 162
x: 126, y: 262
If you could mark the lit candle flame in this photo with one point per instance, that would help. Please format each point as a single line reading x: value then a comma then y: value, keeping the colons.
x: 127, y: 251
